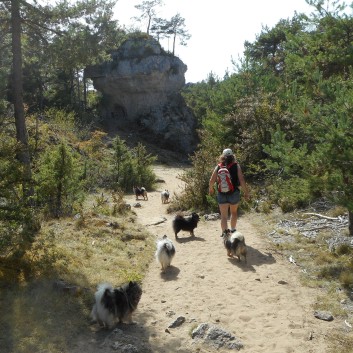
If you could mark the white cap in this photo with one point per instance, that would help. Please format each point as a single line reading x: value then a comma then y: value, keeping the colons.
x: 227, y: 152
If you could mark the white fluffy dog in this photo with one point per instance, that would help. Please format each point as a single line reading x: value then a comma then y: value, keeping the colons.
x: 165, y: 196
x: 165, y: 252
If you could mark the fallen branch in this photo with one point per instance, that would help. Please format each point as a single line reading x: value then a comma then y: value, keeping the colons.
x: 314, y: 228
x: 322, y: 216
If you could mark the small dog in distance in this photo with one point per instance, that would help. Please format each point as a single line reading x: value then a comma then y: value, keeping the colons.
x: 185, y: 223
x: 165, y: 196
x: 165, y: 252
x: 140, y: 191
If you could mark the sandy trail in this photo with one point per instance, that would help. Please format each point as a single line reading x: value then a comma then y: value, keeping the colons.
x: 204, y: 285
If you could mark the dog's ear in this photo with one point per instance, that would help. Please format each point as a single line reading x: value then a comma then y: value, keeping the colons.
x: 133, y: 284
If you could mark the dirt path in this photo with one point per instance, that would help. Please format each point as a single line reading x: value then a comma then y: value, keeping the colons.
x: 261, y: 303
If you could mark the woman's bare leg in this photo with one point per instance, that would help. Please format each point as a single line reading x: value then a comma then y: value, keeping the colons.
x: 233, y: 216
x: 223, y: 208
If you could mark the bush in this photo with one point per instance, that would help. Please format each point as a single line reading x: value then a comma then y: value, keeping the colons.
x: 18, y: 221
x: 344, y: 249
x: 131, y: 167
x: 290, y: 194
x: 59, y: 186
x: 195, y: 195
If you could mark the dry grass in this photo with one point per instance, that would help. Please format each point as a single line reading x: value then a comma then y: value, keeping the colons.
x: 94, y: 248
x: 340, y: 342
x: 331, y: 272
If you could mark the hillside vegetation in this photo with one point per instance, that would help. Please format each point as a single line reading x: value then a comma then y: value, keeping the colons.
x: 287, y: 110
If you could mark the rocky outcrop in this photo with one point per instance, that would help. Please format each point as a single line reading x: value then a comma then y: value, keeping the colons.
x: 141, y: 93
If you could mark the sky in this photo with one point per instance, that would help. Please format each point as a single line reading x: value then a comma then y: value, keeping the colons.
x: 218, y: 28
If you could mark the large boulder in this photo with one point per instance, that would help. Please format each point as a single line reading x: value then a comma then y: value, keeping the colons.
x: 141, y: 93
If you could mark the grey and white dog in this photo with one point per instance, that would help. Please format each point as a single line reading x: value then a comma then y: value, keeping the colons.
x: 165, y: 196
x: 235, y: 244
x: 115, y: 304
x: 165, y: 252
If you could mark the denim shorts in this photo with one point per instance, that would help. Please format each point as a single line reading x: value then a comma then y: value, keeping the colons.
x: 232, y: 198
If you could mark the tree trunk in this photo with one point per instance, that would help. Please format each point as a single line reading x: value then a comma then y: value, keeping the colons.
x: 149, y: 24
x: 17, y: 84
x: 350, y: 223
x: 84, y: 92
x: 174, y: 38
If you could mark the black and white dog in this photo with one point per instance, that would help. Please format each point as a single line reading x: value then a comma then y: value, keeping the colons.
x: 165, y: 252
x: 115, y: 304
x: 235, y: 244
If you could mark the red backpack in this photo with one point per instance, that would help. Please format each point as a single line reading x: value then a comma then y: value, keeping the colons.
x: 224, y: 180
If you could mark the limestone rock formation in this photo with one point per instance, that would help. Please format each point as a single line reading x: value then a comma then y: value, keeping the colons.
x: 141, y: 93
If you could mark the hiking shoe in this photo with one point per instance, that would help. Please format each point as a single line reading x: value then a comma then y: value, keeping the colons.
x: 224, y: 233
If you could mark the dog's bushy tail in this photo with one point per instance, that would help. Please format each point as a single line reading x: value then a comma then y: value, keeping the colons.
x: 102, y: 289
x: 169, y: 248
x: 176, y: 223
x: 178, y: 217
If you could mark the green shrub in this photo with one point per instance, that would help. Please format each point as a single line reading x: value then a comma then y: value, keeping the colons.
x: 131, y: 167
x: 290, y: 194
x: 119, y: 205
x: 59, y: 186
x: 195, y: 195
x: 343, y: 249
x: 18, y: 221
x: 330, y: 272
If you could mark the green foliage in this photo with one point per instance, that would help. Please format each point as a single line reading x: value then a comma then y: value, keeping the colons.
x: 196, y: 178
x: 18, y: 222
x: 249, y: 125
x: 285, y: 160
x: 59, y: 188
x: 268, y: 52
x: 96, y: 161
x: 131, y: 167
x: 344, y: 249
x: 287, y: 110
x: 119, y: 205
x: 58, y: 41
x: 290, y: 194
x: 61, y: 121
x: 144, y: 162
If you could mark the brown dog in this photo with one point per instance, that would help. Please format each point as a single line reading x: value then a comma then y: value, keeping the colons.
x: 140, y: 191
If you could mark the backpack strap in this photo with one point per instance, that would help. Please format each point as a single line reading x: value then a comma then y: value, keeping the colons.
x: 235, y: 178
